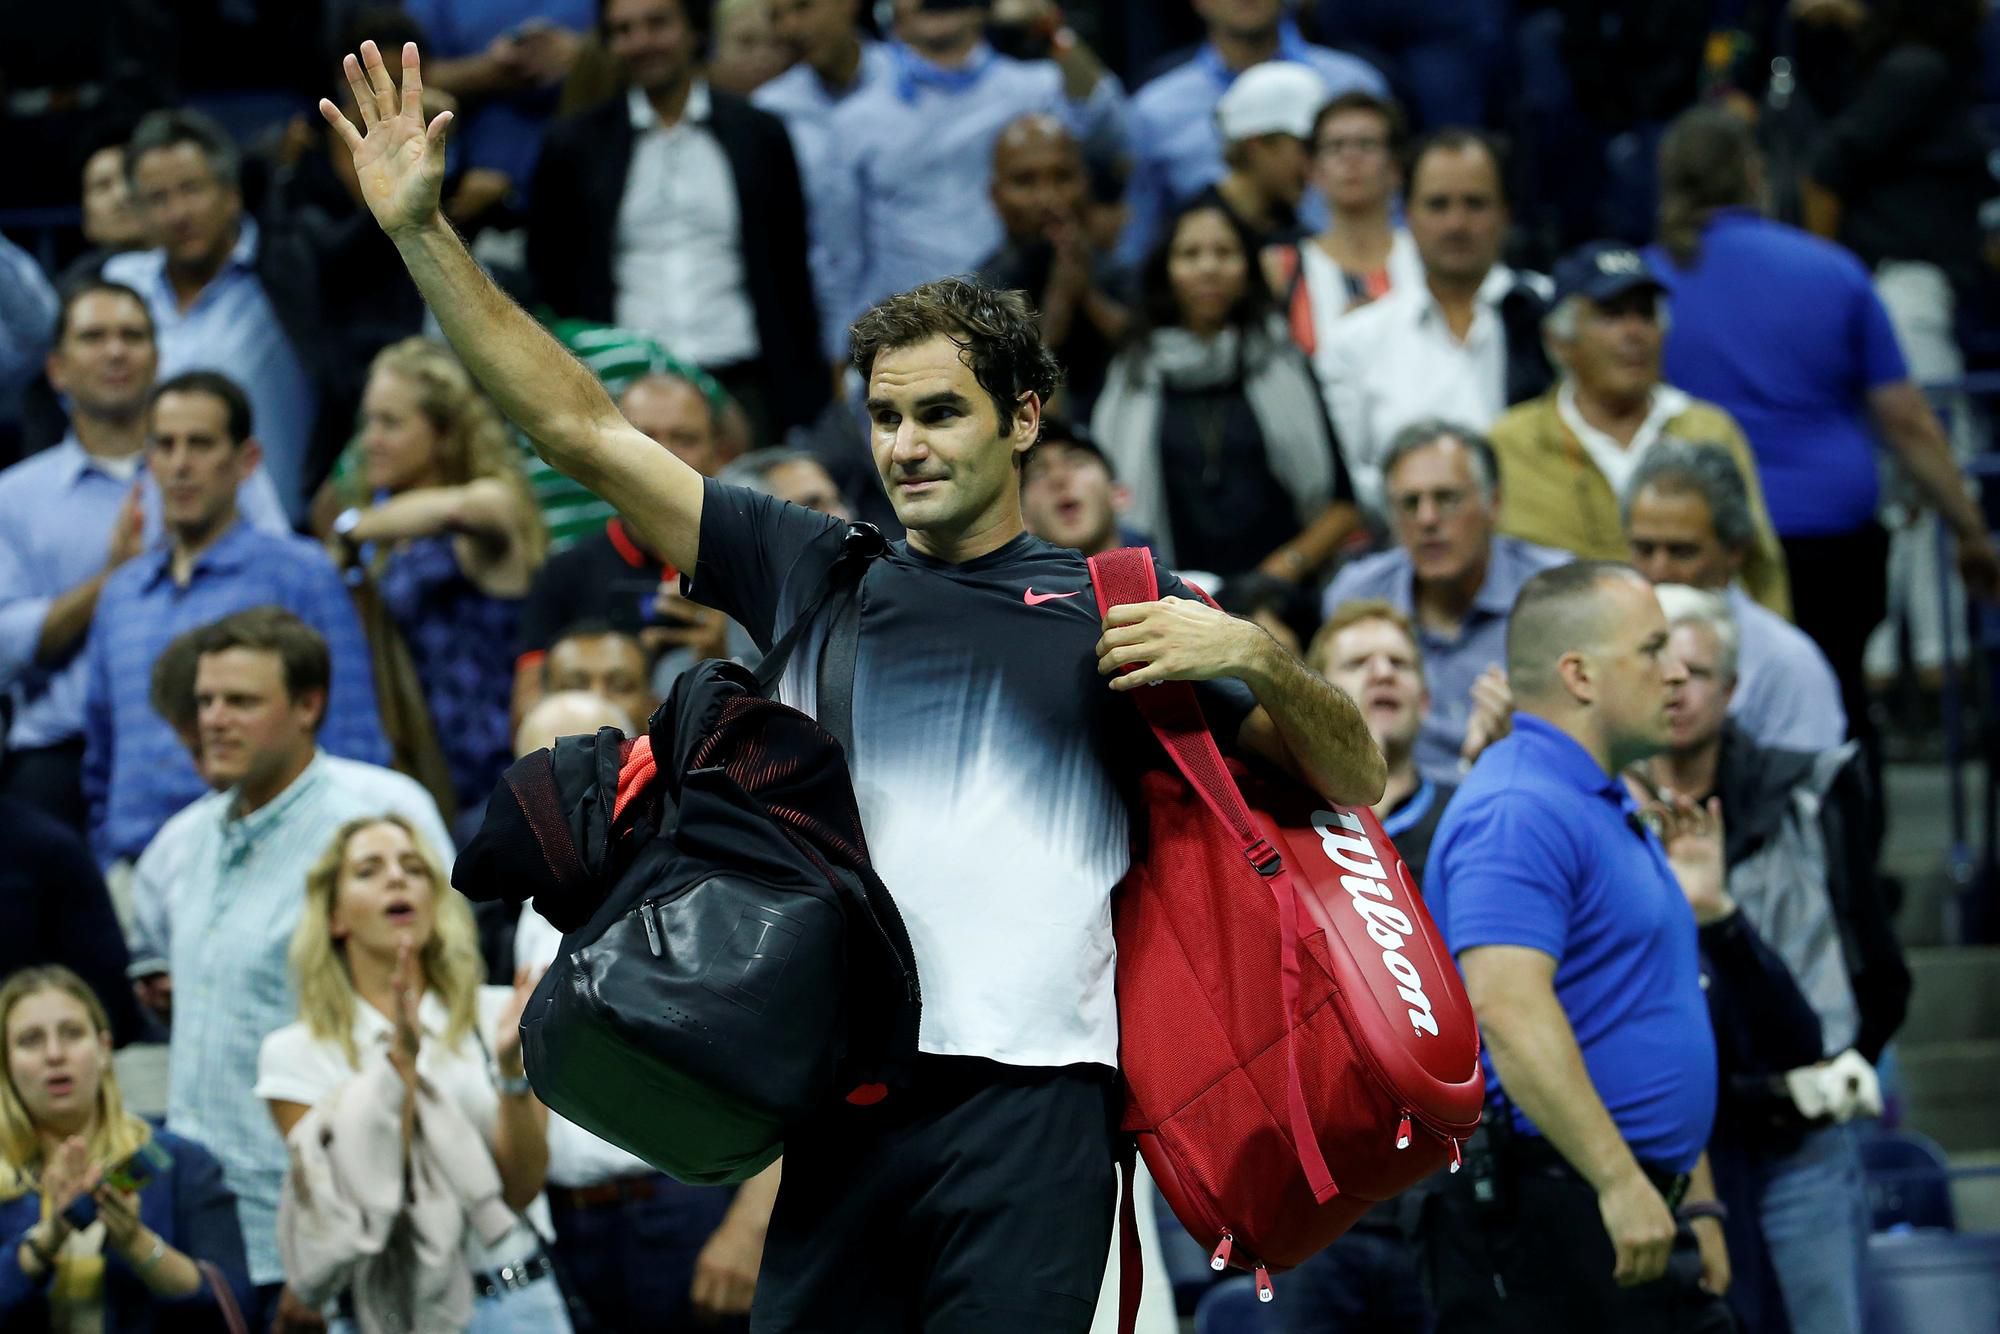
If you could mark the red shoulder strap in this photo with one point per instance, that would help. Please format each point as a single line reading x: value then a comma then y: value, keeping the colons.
x: 1172, y: 711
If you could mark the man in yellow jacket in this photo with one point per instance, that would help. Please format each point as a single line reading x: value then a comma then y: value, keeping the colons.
x: 1568, y: 455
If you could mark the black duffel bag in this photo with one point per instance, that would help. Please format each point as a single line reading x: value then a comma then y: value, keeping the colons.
x: 731, y: 963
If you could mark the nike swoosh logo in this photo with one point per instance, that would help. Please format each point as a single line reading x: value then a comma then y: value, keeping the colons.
x: 1034, y: 599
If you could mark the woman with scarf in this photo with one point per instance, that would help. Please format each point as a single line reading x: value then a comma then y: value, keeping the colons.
x: 1211, y: 417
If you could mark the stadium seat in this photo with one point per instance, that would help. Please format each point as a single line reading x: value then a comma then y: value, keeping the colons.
x: 1931, y: 1282
x: 1231, y: 1307
x: 1909, y: 1183
x: 1186, y: 1261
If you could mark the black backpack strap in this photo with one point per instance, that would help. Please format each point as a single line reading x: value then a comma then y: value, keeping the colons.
x: 860, y: 544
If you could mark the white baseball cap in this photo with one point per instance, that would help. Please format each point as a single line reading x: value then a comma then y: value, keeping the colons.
x: 1276, y: 97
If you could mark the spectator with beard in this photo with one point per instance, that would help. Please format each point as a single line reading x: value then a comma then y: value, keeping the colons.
x: 69, y: 517
x: 1211, y: 417
x: 1464, y: 343
x: 1040, y: 191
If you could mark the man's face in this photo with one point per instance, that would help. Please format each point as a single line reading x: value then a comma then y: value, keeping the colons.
x: 1352, y: 164
x: 811, y: 29
x: 1673, y: 540
x: 1455, y: 213
x: 1699, y: 707
x: 1438, y: 512
x: 673, y: 413
x: 746, y: 52
x: 944, y: 456
x: 109, y: 218
x: 1068, y: 498
x: 1038, y: 180
x: 1240, y: 18
x: 1375, y: 663
x: 198, y: 467
x: 938, y: 33
x: 251, y: 727
x: 1616, y: 353
x: 611, y: 666
x: 803, y: 482
x: 106, y: 358
x: 652, y: 40
x: 1637, y: 674
x: 1280, y: 165
x: 186, y: 208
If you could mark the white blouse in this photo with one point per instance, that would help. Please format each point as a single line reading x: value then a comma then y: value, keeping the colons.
x: 294, y: 1066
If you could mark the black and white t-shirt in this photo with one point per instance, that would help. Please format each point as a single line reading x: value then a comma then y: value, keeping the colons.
x: 991, y: 763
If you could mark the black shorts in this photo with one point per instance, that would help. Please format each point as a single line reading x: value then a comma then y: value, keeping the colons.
x: 980, y: 1201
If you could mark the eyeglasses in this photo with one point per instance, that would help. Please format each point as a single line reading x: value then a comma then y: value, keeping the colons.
x: 1364, y: 144
x: 1447, y: 501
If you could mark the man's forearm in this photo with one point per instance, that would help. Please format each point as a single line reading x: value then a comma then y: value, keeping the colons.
x: 1541, y: 1068
x: 1315, y: 727
x: 533, y: 379
x: 68, y: 621
x: 1919, y: 441
x: 755, y: 1199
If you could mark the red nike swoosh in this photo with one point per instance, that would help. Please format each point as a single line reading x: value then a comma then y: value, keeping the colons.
x: 1034, y: 599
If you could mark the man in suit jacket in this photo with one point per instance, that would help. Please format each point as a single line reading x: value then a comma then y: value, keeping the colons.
x: 676, y: 209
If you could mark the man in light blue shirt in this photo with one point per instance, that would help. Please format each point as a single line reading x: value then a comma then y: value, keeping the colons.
x: 136, y: 774
x: 27, y: 311
x: 204, y: 284
x: 1456, y: 580
x: 908, y: 199
x: 831, y: 63
x: 218, y: 893
x: 1687, y: 515
x: 1176, y: 145
x: 68, y: 517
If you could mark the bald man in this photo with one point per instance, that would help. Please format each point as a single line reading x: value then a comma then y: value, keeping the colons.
x: 1576, y: 930
x: 1039, y: 190
x: 568, y: 713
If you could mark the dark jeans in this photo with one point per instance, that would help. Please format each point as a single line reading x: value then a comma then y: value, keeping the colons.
x: 1840, y: 593
x: 1365, y: 1283
x: 49, y: 778
x: 630, y: 1263
x: 1540, y: 1263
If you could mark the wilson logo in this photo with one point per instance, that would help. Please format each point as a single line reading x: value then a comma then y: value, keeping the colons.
x: 1367, y: 886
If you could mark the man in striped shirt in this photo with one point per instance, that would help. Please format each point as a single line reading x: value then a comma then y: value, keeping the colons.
x: 217, y: 894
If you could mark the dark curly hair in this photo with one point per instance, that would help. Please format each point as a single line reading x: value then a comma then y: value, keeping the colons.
x: 997, y: 332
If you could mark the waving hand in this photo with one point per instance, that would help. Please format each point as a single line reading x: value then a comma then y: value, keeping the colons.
x: 399, y: 161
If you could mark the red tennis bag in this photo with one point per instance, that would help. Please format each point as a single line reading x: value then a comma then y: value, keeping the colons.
x: 1295, y: 1040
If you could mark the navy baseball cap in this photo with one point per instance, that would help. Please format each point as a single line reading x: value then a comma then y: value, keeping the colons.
x: 1603, y: 270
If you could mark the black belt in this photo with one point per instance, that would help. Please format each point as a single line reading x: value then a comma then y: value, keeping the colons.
x: 1537, y: 1154
x: 509, y: 1278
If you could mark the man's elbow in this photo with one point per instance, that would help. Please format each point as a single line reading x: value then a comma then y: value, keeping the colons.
x: 1361, y: 783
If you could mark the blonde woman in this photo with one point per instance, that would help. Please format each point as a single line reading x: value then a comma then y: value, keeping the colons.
x: 109, y: 1219
x: 387, y: 964
x: 454, y: 538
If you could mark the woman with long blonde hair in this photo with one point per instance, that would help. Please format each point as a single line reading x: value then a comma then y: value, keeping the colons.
x: 454, y: 538
x: 111, y: 1219
x: 386, y: 963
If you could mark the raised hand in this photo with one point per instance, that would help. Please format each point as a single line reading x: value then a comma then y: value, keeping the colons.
x: 67, y: 1174
x: 1693, y: 838
x: 507, y: 1028
x: 409, y: 1038
x: 398, y: 161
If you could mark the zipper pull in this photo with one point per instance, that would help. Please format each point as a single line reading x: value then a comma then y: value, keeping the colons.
x: 646, y: 915
x: 1264, y: 1290
x: 1220, y: 1260
x: 1457, y: 1160
x: 1403, y: 1132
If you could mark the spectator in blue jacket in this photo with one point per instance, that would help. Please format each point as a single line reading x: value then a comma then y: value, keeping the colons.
x: 97, y: 1242
x: 136, y: 774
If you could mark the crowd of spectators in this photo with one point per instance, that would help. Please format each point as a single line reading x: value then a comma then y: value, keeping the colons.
x: 1372, y: 313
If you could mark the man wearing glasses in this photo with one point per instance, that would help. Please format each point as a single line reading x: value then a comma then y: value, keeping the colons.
x: 1455, y: 578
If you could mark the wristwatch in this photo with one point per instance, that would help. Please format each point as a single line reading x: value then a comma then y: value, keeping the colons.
x: 513, y: 1086
x: 1694, y: 1209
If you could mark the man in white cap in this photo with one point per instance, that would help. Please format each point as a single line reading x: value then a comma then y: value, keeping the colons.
x: 1266, y: 118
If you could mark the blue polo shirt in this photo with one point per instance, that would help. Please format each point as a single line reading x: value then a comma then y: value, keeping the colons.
x: 1785, y: 331
x: 1537, y: 850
